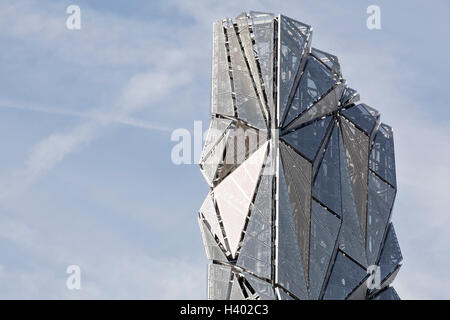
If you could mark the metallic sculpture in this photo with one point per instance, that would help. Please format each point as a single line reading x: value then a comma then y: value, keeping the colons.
x: 302, y: 177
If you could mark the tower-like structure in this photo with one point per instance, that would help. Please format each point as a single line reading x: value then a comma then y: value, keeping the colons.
x: 302, y: 176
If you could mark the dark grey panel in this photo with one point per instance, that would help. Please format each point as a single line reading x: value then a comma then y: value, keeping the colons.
x: 391, y: 255
x: 351, y: 240
x: 382, y: 159
x: 324, y: 232
x: 298, y: 179
x: 357, y: 150
x: 219, y: 280
x: 360, y: 116
x: 282, y: 295
x: 294, y: 38
x: 308, y: 139
x: 387, y: 294
x: 327, y: 104
x: 349, y: 96
x: 381, y: 199
x: 315, y: 81
x: 290, y: 271
x: 327, y: 184
x: 328, y: 59
x: 345, y: 277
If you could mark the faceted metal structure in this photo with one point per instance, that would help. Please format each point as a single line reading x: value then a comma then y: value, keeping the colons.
x: 302, y: 176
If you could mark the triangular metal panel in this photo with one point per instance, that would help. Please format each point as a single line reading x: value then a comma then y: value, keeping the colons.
x: 222, y: 102
x: 351, y: 240
x: 391, y: 255
x: 357, y: 151
x: 324, y: 232
x: 315, y: 82
x: 382, y: 158
x: 328, y: 104
x: 328, y: 59
x: 298, y: 179
x: 213, y: 251
x: 247, y: 103
x: 345, y: 277
x: 290, y: 272
x: 262, y: 288
x: 256, y: 252
x: 380, y: 200
x: 327, y: 183
x: 219, y: 280
x: 294, y: 41
x: 308, y: 139
x: 234, y: 195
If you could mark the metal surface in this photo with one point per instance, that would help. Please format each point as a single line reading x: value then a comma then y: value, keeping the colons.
x: 302, y: 178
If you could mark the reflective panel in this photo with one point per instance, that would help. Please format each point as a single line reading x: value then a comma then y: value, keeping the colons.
x: 326, y: 105
x: 290, y: 272
x: 349, y: 96
x: 327, y: 185
x: 219, y: 279
x: 247, y: 103
x: 235, y: 193
x: 357, y: 152
x: 324, y: 232
x: 391, y: 255
x: 360, y: 116
x: 345, y: 277
x: 382, y: 159
x: 381, y: 199
x: 294, y: 41
x: 387, y: 294
x: 256, y: 252
x: 308, y: 139
x: 262, y: 288
x: 298, y: 179
x: 213, y: 251
x: 351, y: 240
x: 236, y: 291
x: 208, y: 211
x: 222, y: 102
x: 263, y: 33
x: 328, y: 59
x: 315, y: 82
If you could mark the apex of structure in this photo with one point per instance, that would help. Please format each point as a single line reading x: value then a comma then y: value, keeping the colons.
x: 302, y: 176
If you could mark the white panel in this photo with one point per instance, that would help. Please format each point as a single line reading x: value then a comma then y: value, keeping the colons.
x: 234, y: 195
x: 209, y: 212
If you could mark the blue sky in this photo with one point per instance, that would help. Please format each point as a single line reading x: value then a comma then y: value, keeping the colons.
x: 86, y: 117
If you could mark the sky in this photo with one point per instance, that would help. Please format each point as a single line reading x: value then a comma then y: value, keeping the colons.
x: 86, y: 117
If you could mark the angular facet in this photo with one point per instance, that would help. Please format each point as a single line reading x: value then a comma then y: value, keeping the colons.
x: 308, y: 139
x: 234, y: 195
x: 219, y: 279
x: 324, y: 232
